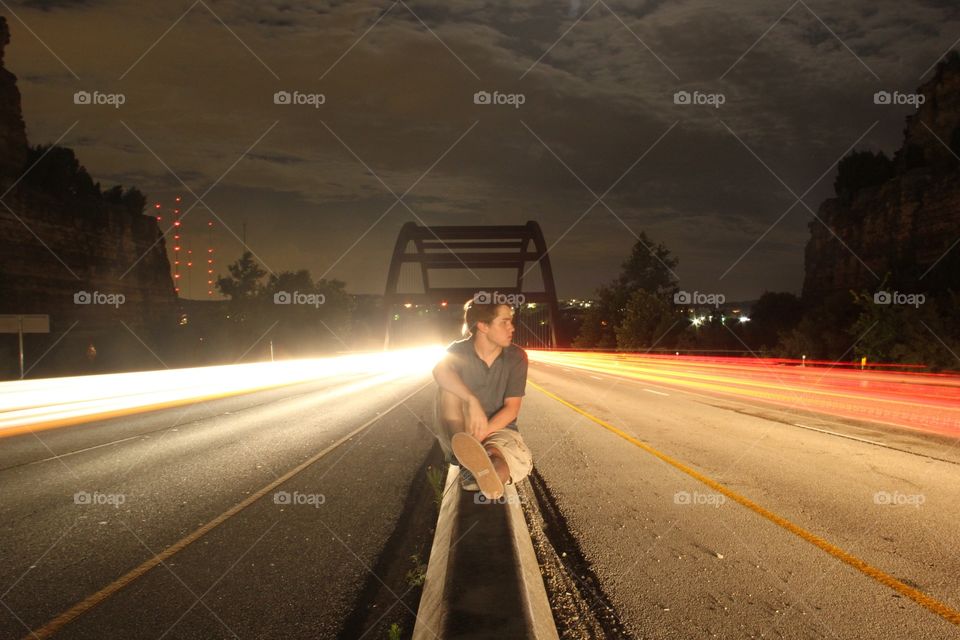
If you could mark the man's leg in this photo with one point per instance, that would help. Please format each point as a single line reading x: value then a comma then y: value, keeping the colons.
x: 451, y: 417
x: 512, y: 454
x: 499, y: 463
x: 451, y: 414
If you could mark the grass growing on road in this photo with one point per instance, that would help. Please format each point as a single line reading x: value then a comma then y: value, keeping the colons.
x: 395, y: 632
x: 418, y: 574
x: 435, y: 478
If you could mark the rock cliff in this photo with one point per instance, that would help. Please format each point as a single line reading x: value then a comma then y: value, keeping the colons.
x: 72, y: 258
x: 906, y: 229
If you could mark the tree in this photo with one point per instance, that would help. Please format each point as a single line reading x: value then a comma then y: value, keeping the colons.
x: 113, y: 195
x: 57, y: 171
x: 243, y: 287
x: 822, y: 333
x: 134, y: 201
x: 647, y: 320
x: 289, y: 309
x: 905, y: 334
x: 307, y: 315
x: 598, y: 328
x: 649, y: 268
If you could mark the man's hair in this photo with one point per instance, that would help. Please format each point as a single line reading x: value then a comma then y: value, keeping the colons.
x: 474, y: 312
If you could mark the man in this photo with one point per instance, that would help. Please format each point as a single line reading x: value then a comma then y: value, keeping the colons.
x: 482, y: 380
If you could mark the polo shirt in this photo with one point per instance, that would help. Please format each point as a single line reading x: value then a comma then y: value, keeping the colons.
x: 505, y: 378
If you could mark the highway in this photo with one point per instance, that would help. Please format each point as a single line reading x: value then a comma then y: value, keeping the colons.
x: 708, y: 500
x: 86, y: 510
x: 679, y: 558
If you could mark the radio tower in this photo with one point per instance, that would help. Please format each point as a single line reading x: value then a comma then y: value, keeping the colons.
x: 210, y: 258
x: 176, y: 240
x: 176, y: 245
x: 179, y: 246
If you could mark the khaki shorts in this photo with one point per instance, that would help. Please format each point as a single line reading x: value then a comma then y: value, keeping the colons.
x: 450, y: 416
x: 514, y: 451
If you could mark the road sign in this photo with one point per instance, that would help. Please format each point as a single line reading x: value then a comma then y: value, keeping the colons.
x: 36, y: 323
x: 21, y: 324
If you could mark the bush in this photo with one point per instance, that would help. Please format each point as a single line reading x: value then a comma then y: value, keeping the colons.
x: 904, y: 334
x: 57, y: 172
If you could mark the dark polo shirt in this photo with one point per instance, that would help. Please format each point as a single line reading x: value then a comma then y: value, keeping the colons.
x: 505, y: 378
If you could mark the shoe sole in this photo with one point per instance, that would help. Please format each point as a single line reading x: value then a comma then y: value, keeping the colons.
x: 474, y: 457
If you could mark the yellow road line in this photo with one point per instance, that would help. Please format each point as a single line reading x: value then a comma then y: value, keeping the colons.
x: 940, y: 608
x: 93, y: 600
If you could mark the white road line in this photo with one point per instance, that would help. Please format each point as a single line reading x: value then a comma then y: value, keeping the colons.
x: 596, y: 377
x: 842, y: 435
x: 99, y: 446
x: 659, y: 393
x: 873, y: 442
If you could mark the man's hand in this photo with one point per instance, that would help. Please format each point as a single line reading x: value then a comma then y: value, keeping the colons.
x: 476, y: 419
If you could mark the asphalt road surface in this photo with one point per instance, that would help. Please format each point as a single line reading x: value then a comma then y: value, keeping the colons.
x: 700, y: 516
x: 82, y: 507
x: 680, y: 558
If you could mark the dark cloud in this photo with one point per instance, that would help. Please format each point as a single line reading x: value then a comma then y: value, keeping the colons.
x: 397, y: 101
x: 51, y: 5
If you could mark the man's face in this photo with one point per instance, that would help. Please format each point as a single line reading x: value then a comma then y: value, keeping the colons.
x: 500, y: 331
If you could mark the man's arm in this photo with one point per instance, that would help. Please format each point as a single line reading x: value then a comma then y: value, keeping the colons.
x: 449, y: 380
x: 507, y: 414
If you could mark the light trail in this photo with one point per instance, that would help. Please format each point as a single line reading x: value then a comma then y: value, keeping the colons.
x: 36, y: 405
x: 913, y: 400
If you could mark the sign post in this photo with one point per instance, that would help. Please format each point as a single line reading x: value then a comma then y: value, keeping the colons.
x: 21, y: 324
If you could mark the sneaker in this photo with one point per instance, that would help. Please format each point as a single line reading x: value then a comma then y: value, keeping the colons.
x: 467, y: 481
x: 474, y: 457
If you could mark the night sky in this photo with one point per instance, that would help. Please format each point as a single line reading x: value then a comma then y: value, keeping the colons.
x: 598, y: 120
